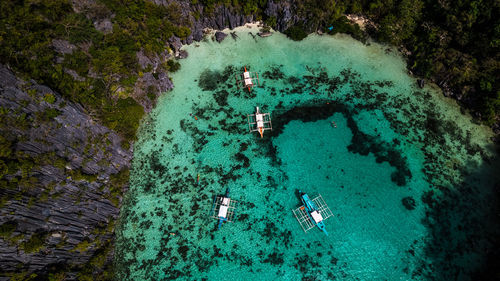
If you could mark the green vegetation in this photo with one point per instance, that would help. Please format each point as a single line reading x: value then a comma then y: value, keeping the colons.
x: 82, y: 246
x: 98, y: 71
x: 124, y: 117
x: 34, y: 244
x: 343, y: 25
x: 106, y: 63
x: 454, y: 42
x: 296, y: 32
x: 173, y: 66
x: 78, y: 175
x: 116, y: 184
x: 6, y: 229
x: 18, y: 164
x: 48, y: 114
x: 23, y: 276
x: 98, y: 264
x: 49, y: 98
x: 60, y: 276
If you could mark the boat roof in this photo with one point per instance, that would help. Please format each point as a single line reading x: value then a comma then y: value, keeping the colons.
x: 222, y: 211
x: 316, y: 216
x: 223, y: 207
x: 248, y: 81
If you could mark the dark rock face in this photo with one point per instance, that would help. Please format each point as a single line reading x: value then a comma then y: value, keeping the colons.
x: 66, y: 216
x: 421, y: 83
x: 219, y: 36
x: 221, y: 17
x: 182, y: 54
x: 282, y: 11
x: 175, y: 43
x: 151, y: 84
x: 226, y: 17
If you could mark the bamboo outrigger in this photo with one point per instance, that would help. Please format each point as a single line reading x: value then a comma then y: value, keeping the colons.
x: 247, y: 79
x: 223, y: 209
x: 312, y: 212
x: 259, y: 122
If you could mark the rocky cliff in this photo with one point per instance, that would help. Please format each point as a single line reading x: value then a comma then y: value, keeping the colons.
x: 61, y: 177
x: 221, y: 17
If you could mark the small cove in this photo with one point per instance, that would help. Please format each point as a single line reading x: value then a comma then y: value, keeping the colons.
x: 392, y: 141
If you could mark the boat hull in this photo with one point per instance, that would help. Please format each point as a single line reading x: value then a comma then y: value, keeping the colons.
x: 311, y: 208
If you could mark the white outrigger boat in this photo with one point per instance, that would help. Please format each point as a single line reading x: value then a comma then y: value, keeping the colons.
x: 312, y: 213
x: 247, y: 79
x: 223, y: 209
x: 259, y: 122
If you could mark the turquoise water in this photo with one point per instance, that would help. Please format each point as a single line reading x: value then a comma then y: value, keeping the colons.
x: 393, y: 144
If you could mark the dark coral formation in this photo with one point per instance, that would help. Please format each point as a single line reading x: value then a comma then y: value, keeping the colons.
x: 409, y: 203
x: 209, y: 80
x: 361, y: 143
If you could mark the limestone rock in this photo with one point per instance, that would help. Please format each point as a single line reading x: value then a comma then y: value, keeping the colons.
x: 219, y: 36
x: 421, y: 83
x: 69, y: 202
x: 105, y: 26
x: 63, y: 46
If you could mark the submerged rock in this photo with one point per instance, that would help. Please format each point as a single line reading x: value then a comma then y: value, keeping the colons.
x: 182, y: 54
x: 219, y: 36
x: 409, y: 203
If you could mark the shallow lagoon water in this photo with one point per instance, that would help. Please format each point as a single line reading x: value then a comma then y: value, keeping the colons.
x: 393, y: 142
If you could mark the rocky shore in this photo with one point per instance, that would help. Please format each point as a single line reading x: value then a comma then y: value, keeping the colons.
x: 63, y: 218
x: 227, y: 17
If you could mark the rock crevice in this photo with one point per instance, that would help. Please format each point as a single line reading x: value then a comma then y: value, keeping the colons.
x: 64, y: 214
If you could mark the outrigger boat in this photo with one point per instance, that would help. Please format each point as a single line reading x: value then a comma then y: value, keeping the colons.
x: 312, y: 212
x: 259, y: 122
x: 247, y: 79
x: 223, y: 209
